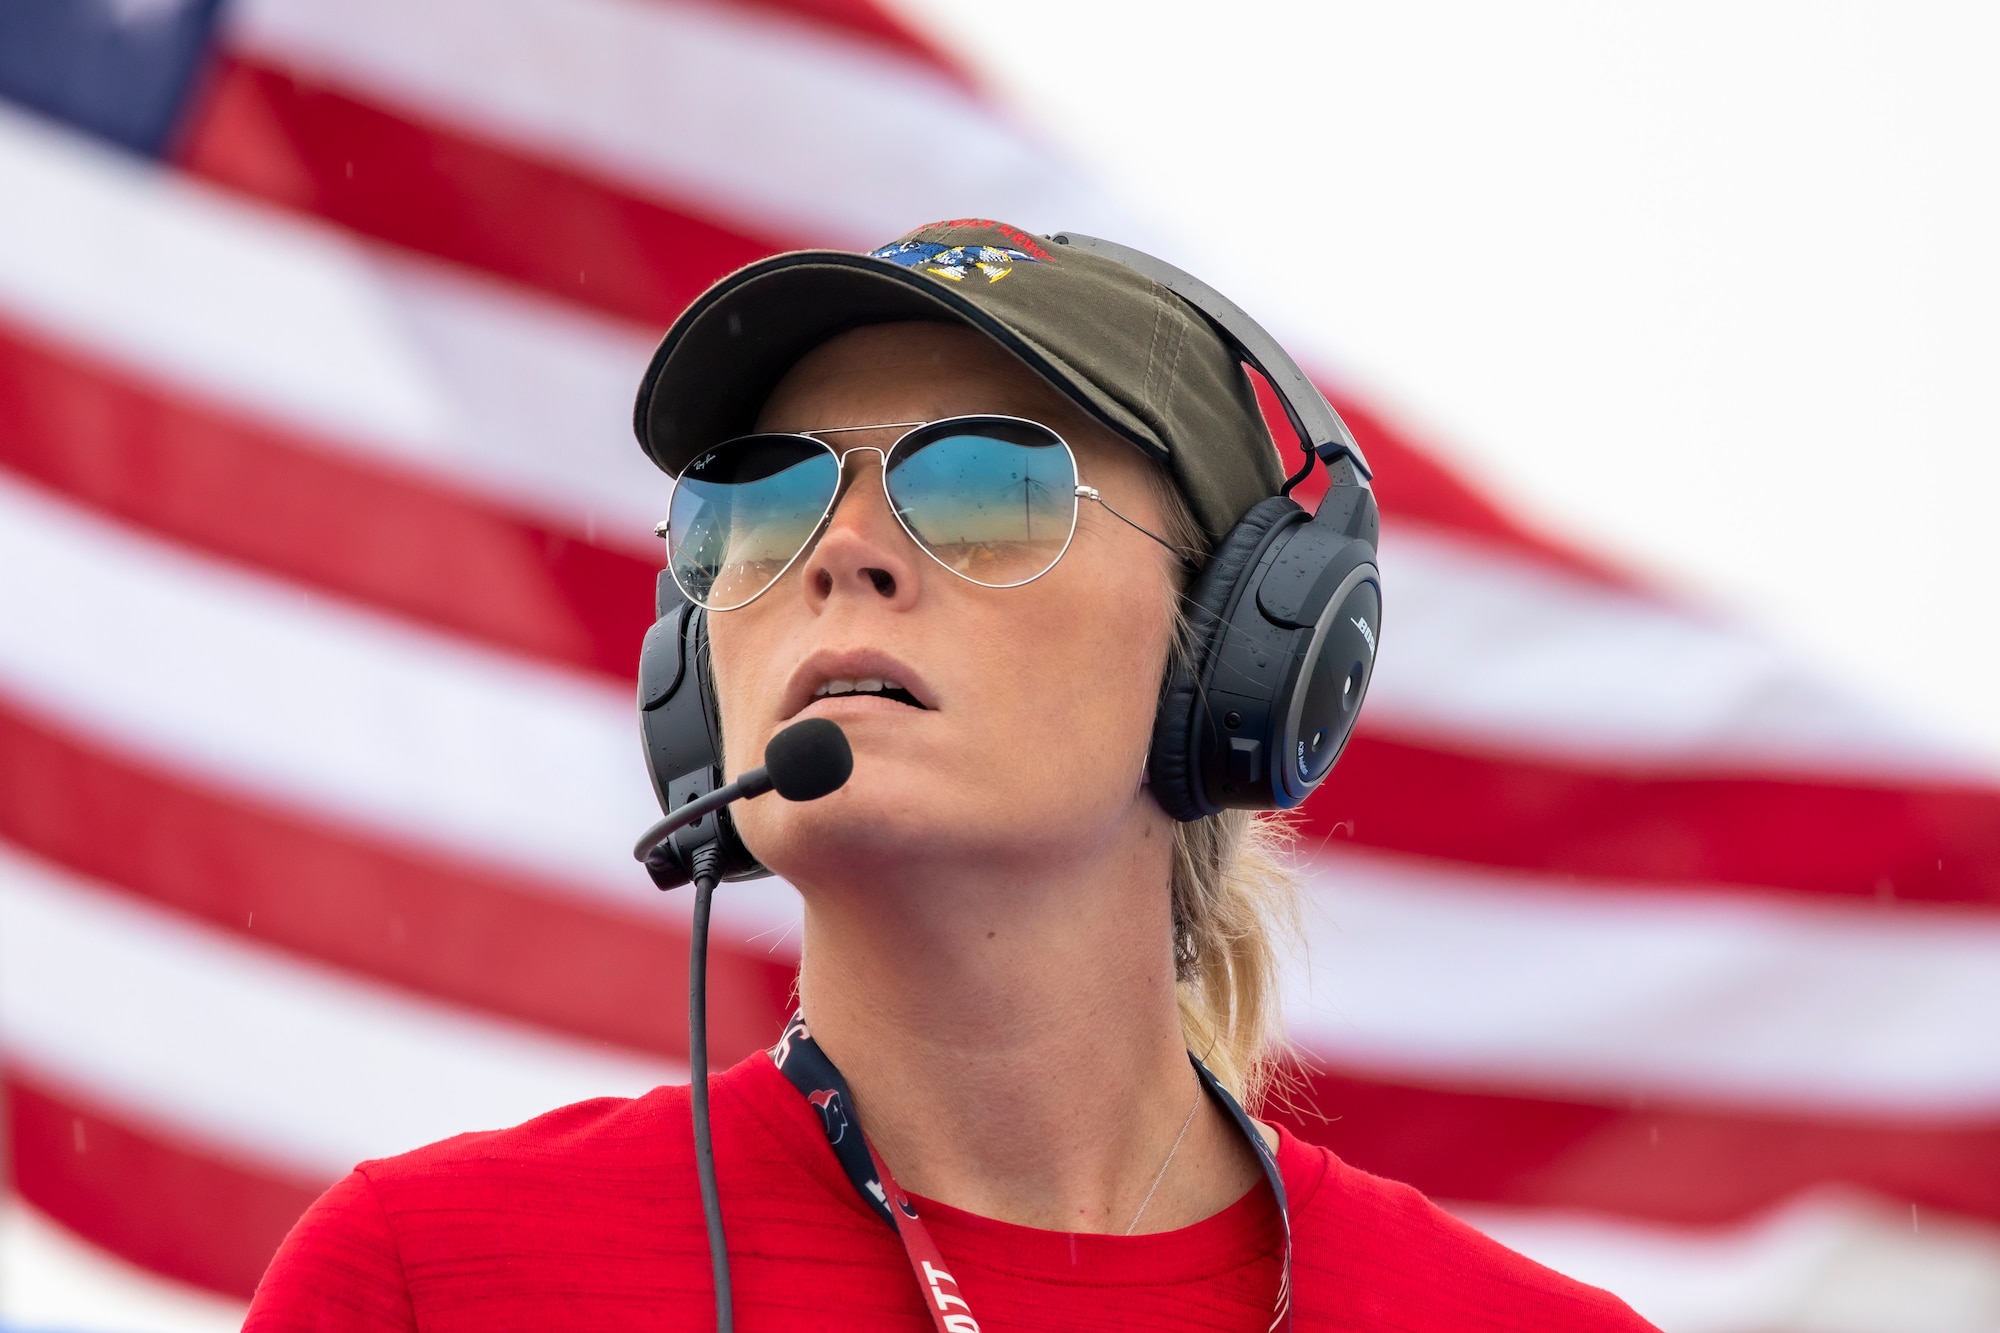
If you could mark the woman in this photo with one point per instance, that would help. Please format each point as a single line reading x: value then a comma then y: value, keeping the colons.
x: 1010, y: 949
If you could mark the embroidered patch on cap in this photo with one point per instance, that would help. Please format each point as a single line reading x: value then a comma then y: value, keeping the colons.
x: 955, y: 262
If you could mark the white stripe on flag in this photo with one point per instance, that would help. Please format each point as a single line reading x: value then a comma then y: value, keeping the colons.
x: 259, y: 686
x: 540, y: 397
x: 1513, y: 983
x: 145, y: 267
x: 1827, y: 1262
x: 1486, y: 650
x: 258, y: 1052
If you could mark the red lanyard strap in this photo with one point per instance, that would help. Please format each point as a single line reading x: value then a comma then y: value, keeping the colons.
x: 800, y: 1059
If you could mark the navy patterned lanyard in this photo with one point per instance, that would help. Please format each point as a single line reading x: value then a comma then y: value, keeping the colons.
x: 801, y: 1060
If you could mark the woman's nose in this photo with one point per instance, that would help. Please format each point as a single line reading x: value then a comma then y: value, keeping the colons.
x: 864, y: 550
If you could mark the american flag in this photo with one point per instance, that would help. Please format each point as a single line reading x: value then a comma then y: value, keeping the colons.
x: 327, y: 557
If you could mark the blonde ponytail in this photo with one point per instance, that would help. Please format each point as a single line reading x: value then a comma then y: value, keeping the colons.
x: 1235, y: 904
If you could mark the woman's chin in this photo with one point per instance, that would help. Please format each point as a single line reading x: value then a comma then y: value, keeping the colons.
x: 870, y: 829
x: 928, y: 810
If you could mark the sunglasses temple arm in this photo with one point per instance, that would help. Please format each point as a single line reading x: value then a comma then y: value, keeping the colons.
x: 1186, y: 558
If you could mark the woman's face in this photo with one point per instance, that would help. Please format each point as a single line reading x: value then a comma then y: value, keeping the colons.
x: 1038, y: 701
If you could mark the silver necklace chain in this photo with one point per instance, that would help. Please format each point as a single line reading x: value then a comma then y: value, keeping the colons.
x: 1193, y: 1106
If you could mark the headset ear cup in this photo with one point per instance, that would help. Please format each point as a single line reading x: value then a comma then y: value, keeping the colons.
x: 737, y: 862
x: 680, y: 727
x: 1174, y: 766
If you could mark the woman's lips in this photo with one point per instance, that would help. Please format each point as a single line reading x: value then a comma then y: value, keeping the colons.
x: 868, y: 687
x: 868, y: 675
x: 858, y: 705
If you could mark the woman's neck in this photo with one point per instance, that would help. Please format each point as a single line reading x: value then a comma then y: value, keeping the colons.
x: 1013, y: 1039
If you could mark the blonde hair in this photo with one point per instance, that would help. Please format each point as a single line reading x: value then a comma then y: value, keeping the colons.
x: 1235, y: 901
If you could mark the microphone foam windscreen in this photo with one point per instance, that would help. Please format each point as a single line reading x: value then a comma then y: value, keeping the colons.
x: 808, y: 759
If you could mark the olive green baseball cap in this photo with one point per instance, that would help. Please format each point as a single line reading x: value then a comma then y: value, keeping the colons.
x: 1128, y: 351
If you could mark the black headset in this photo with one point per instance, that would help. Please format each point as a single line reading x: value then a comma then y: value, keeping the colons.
x: 1283, y: 622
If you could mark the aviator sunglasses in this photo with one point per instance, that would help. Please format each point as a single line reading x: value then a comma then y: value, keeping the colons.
x: 993, y: 499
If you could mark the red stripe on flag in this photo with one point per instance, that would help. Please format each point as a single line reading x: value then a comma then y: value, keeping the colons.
x: 1676, y: 1163
x: 1909, y: 841
x: 256, y: 493
x: 295, y: 142
x: 169, y: 1206
x: 479, y: 937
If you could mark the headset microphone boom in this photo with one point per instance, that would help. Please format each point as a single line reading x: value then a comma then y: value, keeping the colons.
x: 804, y: 762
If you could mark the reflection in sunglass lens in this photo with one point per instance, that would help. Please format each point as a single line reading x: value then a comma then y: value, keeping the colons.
x: 743, y: 511
x: 993, y: 499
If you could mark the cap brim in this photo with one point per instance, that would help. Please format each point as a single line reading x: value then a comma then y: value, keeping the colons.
x: 726, y: 353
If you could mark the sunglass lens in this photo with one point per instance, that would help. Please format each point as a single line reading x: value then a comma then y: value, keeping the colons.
x: 742, y: 513
x: 992, y: 498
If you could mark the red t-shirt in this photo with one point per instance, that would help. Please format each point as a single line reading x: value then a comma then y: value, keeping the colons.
x: 589, y: 1218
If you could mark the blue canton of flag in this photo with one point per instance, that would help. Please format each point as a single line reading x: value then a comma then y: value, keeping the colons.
x: 120, y: 69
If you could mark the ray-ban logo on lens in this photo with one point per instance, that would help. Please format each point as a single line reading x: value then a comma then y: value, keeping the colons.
x: 701, y: 462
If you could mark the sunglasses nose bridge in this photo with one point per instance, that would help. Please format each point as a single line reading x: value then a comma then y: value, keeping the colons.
x: 844, y: 486
x: 847, y: 479
x: 881, y: 455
